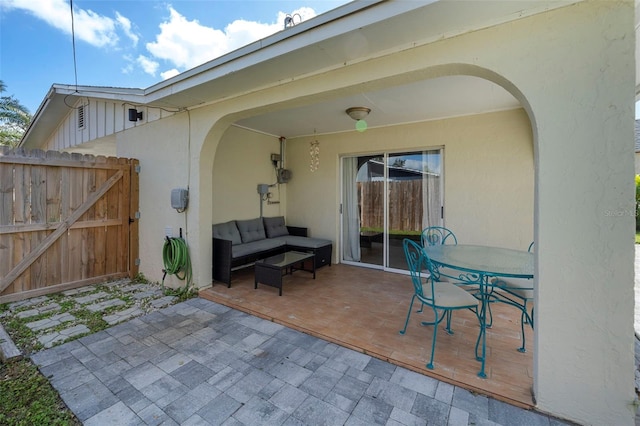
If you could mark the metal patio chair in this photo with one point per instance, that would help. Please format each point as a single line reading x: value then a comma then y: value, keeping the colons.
x: 438, y: 235
x: 443, y: 297
x: 517, y: 292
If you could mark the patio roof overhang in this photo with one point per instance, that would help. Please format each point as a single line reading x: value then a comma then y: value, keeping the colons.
x: 357, y: 31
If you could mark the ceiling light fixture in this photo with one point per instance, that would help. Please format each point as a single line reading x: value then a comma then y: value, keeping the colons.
x: 358, y: 113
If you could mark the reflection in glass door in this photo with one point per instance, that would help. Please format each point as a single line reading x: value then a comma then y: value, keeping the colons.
x: 363, y: 209
x: 374, y: 225
x: 414, y: 199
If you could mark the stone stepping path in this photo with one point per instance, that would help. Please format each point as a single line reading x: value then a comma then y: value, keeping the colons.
x: 83, y: 300
x: 99, y: 307
x: 8, y: 350
x: 123, y: 315
x: 38, y: 311
x: 116, y: 302
x: 50, y: 339
x: 50, y: 322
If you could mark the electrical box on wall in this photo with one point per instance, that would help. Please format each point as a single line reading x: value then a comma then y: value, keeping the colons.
x: 263, y: 188
x: 179, y: 199
x: 284, y: 175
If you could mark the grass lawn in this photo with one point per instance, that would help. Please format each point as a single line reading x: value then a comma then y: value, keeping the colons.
x: 637, y: 237
x: 29, y: 399
x: 26, y: 396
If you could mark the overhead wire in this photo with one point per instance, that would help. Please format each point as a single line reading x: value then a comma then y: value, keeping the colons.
x: 73, y: 43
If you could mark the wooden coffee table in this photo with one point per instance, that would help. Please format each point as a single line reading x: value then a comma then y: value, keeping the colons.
x: 270, y: 271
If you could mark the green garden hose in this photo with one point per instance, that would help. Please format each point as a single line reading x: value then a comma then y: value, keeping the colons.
x: 175, y: 255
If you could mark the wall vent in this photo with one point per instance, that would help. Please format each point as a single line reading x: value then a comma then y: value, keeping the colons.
x: 81, y: 117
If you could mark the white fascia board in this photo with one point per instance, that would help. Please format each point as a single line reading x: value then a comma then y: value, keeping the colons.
x: 128, y: 95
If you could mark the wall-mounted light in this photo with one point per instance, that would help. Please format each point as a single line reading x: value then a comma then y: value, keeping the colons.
x: 359, y: 114
x: 134, y: 114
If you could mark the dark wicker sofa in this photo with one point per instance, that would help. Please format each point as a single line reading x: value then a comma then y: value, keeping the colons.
x: 239, y: 243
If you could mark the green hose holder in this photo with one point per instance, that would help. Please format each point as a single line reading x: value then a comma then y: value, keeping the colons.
x: 175, y: 255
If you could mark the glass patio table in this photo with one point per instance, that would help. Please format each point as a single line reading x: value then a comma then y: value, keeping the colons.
x: 478, y: 265
x: 270, y: 271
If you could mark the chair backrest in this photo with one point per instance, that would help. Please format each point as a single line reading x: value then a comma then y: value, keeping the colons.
x: 437, y: 235
x: 420, y: 267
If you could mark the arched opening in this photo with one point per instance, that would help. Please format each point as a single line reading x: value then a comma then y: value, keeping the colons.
x: 488, y: 159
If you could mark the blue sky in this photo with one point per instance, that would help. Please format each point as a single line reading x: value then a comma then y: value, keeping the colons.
x: 128, y: 43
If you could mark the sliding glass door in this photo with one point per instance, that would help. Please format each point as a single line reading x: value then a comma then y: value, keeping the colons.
x: 388, y: 197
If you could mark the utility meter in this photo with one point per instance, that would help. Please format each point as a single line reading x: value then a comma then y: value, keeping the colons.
x: 179, y: 199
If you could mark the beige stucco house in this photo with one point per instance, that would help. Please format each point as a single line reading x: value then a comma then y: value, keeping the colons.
x: 529, y: 105
x: 638, y: 147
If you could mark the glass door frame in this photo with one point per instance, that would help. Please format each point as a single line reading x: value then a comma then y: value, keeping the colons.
x: 385, y: 246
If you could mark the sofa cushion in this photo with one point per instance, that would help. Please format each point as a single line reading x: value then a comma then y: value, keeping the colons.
x: 275, y: 227
x: 254, y: 247
x: 227, y: 231
x: 251, y: 230
x: 304, y: 242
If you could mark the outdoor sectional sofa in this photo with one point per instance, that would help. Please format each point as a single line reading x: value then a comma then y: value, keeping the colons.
x: 240, y: 243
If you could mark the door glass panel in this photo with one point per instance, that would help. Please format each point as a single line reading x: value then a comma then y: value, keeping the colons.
x: 373, y: 226
x: 414, y: 197
x: 363, y: 209
x: 371, y: 201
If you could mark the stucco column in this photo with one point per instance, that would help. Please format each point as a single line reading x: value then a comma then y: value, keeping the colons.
x: 206, y: 130
x: 581, y: 101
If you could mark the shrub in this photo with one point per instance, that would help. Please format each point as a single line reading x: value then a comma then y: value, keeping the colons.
x: 637, y: 202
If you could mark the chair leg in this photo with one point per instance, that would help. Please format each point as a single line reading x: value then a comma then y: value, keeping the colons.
x: 526, y: 319
x: 433, y: 342
x: 522, y: 321
x: 408, y: 315
x: 490, y: 323
x: 449, y: 331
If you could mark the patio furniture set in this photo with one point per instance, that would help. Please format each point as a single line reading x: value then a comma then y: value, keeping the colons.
x: 448, y: 277
x: 273, y: 248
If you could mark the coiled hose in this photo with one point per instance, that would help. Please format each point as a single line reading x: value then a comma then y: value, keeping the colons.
x: 175, y: 256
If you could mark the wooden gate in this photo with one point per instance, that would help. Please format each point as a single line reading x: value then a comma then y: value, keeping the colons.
x: 66, y: 221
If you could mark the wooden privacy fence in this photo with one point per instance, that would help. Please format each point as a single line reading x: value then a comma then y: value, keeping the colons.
x: 65, y: 221
x: 406, y: 206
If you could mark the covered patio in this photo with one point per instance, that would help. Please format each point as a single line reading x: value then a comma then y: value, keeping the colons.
x: 553, y: 164
x: 364, y: 309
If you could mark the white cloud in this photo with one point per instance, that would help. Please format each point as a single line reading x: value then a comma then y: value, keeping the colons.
x: 186, y: 44
x: 128, y: 67
x: 90, y: 27
x: 181, y: 43
x: 148, y: 65
x: 125, y: 24
x: 170, y: 73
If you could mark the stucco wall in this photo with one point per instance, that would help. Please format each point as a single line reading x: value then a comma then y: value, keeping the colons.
x: 242, y: 161
x: 488, y: 175
x: 573, y: 71
x: 163, y: 151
